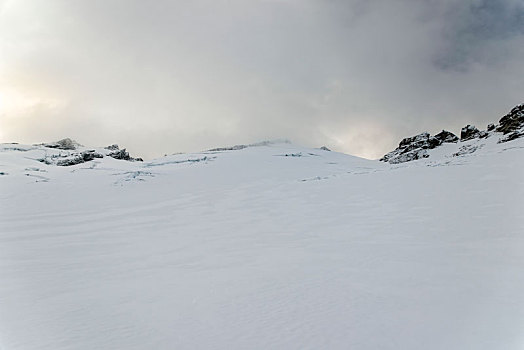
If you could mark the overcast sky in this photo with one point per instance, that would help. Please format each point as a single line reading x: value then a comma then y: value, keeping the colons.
x: 173, y: 76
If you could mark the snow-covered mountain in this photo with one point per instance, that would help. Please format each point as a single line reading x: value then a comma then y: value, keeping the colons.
x: 264, y: 246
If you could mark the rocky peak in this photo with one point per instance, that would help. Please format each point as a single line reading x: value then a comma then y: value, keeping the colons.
x: 469, y: 132
x: 413, y: 148
x: 512, y: 121
x: 512, y: 124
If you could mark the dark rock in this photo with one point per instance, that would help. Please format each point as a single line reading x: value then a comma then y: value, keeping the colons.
x: 124, y: 155
x: 79, y: 158
x: 512, y: 121
x: 120, y: 154
x: 446, y: 137
x: 469, y: 132
x: 414, y: 141
x: 90, y: 155
x: 407, y: 156
x: 324, y: 148
x: 512, y: 124
x: 412, y: 148
x: 423, y: 140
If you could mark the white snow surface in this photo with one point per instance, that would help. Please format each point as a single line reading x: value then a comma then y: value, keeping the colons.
x: 253, y: 249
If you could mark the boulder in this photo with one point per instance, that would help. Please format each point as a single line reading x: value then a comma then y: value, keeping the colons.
x: 123, y: 155
x: 120, y: 154
x: 446, y: 137
x: 469, y: 132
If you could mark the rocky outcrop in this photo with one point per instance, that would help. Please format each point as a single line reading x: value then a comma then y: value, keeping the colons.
x: 469, y: 132
x: 122, y: 154
x: 83, y: 157
x: 512, y: 124
x: 72, y: 155
x: 413, y: 148
x: 446, y: 137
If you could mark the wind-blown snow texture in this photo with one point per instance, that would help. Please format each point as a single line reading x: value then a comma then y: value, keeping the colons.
x: 268, y: 247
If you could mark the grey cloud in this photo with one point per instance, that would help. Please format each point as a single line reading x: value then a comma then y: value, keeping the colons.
x: 168, y: 76
x: 478, y: 31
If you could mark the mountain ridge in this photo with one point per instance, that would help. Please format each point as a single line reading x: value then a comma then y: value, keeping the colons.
x: 510, y: 127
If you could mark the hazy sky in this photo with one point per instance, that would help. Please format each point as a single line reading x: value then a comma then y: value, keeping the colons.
x: 169, y: 76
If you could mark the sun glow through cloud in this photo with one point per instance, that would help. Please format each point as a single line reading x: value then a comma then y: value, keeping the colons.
x: 175, y: 76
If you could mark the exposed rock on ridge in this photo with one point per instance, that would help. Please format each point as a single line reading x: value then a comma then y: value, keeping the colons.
x: 121, y: 154
x: 469, y: 132
x: 512, y: 124
x: 412, y: 148
x: 446, y: 137
x: 72, y: 155
x: 83, y: 157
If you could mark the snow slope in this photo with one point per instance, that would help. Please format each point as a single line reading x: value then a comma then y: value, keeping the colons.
x: 269, y: 247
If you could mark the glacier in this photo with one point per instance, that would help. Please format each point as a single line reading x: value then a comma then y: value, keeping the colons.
x: 268, y: 246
